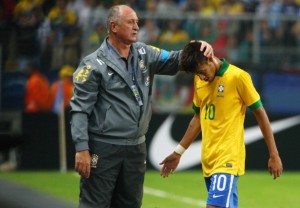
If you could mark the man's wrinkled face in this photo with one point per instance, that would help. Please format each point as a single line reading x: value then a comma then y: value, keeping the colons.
x: 127, y: 26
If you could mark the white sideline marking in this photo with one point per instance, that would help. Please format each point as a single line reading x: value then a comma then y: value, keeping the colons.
x: 163, y: 194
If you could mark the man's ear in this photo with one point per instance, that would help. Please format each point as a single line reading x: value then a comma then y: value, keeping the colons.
x: 113, y: 26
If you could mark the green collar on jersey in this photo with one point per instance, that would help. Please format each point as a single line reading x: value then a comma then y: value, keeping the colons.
x: 223, y: 68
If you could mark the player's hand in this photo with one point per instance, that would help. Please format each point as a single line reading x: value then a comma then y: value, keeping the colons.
x: 206, y: 47
x: 170, y: 164
x: 83, y: 163
x: 275, y: 167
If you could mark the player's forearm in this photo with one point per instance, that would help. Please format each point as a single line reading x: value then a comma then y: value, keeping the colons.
x: 192, y: 132
x: 270, y: 141
x: 265, y: 127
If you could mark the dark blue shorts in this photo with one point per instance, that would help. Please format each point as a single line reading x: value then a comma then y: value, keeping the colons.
x: 222, y: 190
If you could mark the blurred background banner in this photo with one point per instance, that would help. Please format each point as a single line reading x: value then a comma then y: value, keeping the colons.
x: 42, y: 42
x: 39, y: 147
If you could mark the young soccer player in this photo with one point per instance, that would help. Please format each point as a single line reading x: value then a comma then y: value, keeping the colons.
x: 222, y: 92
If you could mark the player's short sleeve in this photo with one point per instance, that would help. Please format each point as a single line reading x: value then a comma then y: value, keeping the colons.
x: 196, y: 101
x: 247, y: 91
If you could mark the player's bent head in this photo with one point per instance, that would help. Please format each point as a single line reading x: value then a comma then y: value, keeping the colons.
x: 191, y: 57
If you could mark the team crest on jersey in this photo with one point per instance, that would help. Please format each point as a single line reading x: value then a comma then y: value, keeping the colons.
x: 142, y: 66
x: 221, y: 89
x: 94, y: 160
x: 83, y: 73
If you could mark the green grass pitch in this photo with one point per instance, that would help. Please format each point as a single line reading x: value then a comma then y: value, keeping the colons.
x: 180, y: 190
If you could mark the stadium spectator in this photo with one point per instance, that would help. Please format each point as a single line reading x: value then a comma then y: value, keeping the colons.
x: 173, y: 35
x: 62, y: 89
x: 151, y: 7
x: 295, y: 35
x: 149, y: 32
x: 167, y: 7
x: 295, y: 30
x: 85, y: 15
x: 250, y: 5
x: 65, y: 35
x: 271, y: 32
x: 167, y: 96
x: 189, y: 6
x: 267, y: 8
x: 269, y: 27
x: 92, y: 23
x: 207, y: 8
x: 116, y: 82
x: 94, y: 39
x: 266, y: 39
x: 220, y: 108
x: 99, y: 13
x: 42, y: 36
x: 290, y: 9
x: 25, y: 35
x: 75, y: 6
x: 37, y: 90
x: 137, y: 5
x: 218, y: 33
x: 231, y: 7
x: 192, y: 24
x: 232, y: 49
x: 245, y: 46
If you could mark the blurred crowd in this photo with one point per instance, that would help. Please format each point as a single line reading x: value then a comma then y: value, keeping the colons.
x: 39, y: 36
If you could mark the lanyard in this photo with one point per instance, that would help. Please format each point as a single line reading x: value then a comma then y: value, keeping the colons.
x: 134, y: 86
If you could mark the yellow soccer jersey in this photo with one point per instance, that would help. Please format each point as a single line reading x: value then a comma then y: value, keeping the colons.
x: 222, y: 106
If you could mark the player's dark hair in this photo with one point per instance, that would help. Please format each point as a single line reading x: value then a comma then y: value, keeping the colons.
x: 191, y: 57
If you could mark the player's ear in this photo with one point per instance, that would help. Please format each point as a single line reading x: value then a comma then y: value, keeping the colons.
x: 213, y: 61
x: 210, y: 59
